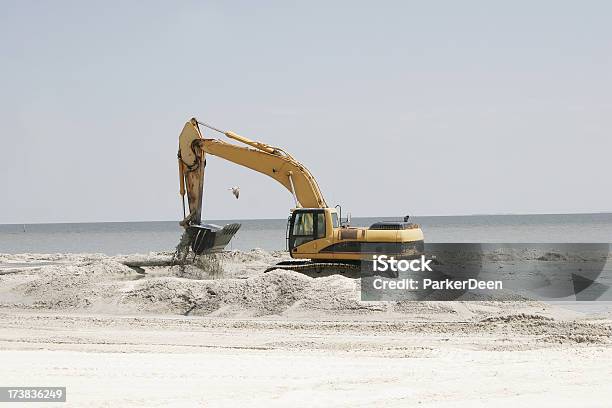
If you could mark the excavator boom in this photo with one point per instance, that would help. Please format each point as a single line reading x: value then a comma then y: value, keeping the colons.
x: 265, y: 159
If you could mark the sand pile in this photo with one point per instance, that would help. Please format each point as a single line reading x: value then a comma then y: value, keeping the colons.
x: 274, y: 293
x: 98, y: 283
x: 95, y: 282
x: 289, y: 294
x: 72, y: 284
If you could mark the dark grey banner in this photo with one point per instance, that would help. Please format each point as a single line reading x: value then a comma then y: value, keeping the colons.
x: 32, y: 394
x: 562, y: 272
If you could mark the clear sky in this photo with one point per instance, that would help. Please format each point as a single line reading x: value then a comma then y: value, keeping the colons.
x: 423, y: 107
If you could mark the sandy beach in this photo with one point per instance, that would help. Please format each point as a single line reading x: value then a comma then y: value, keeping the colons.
x: 186, y: 337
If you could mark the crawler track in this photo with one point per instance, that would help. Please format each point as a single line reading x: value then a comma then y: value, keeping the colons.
x: 316, y: 267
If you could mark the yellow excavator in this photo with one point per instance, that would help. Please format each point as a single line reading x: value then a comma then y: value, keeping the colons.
x: 316, y: 236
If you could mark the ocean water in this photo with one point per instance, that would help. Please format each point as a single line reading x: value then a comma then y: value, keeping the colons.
x: 141, y: 237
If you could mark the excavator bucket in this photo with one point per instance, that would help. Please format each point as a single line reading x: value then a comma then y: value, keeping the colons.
x: 211, y: 238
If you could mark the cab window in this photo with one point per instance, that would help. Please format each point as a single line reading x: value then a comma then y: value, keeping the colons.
x: 320, y: 225
x: 303, y: 224
x: 335, y: 222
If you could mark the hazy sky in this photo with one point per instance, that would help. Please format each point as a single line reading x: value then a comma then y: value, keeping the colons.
x: 427, y: 108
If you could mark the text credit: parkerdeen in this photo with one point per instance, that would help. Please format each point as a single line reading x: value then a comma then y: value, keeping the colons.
x: 446, y: 284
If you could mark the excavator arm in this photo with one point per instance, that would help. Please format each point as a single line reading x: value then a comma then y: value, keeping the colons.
x: 265, y: 159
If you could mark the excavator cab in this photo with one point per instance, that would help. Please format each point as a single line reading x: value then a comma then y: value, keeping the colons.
x: 306, y: 225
